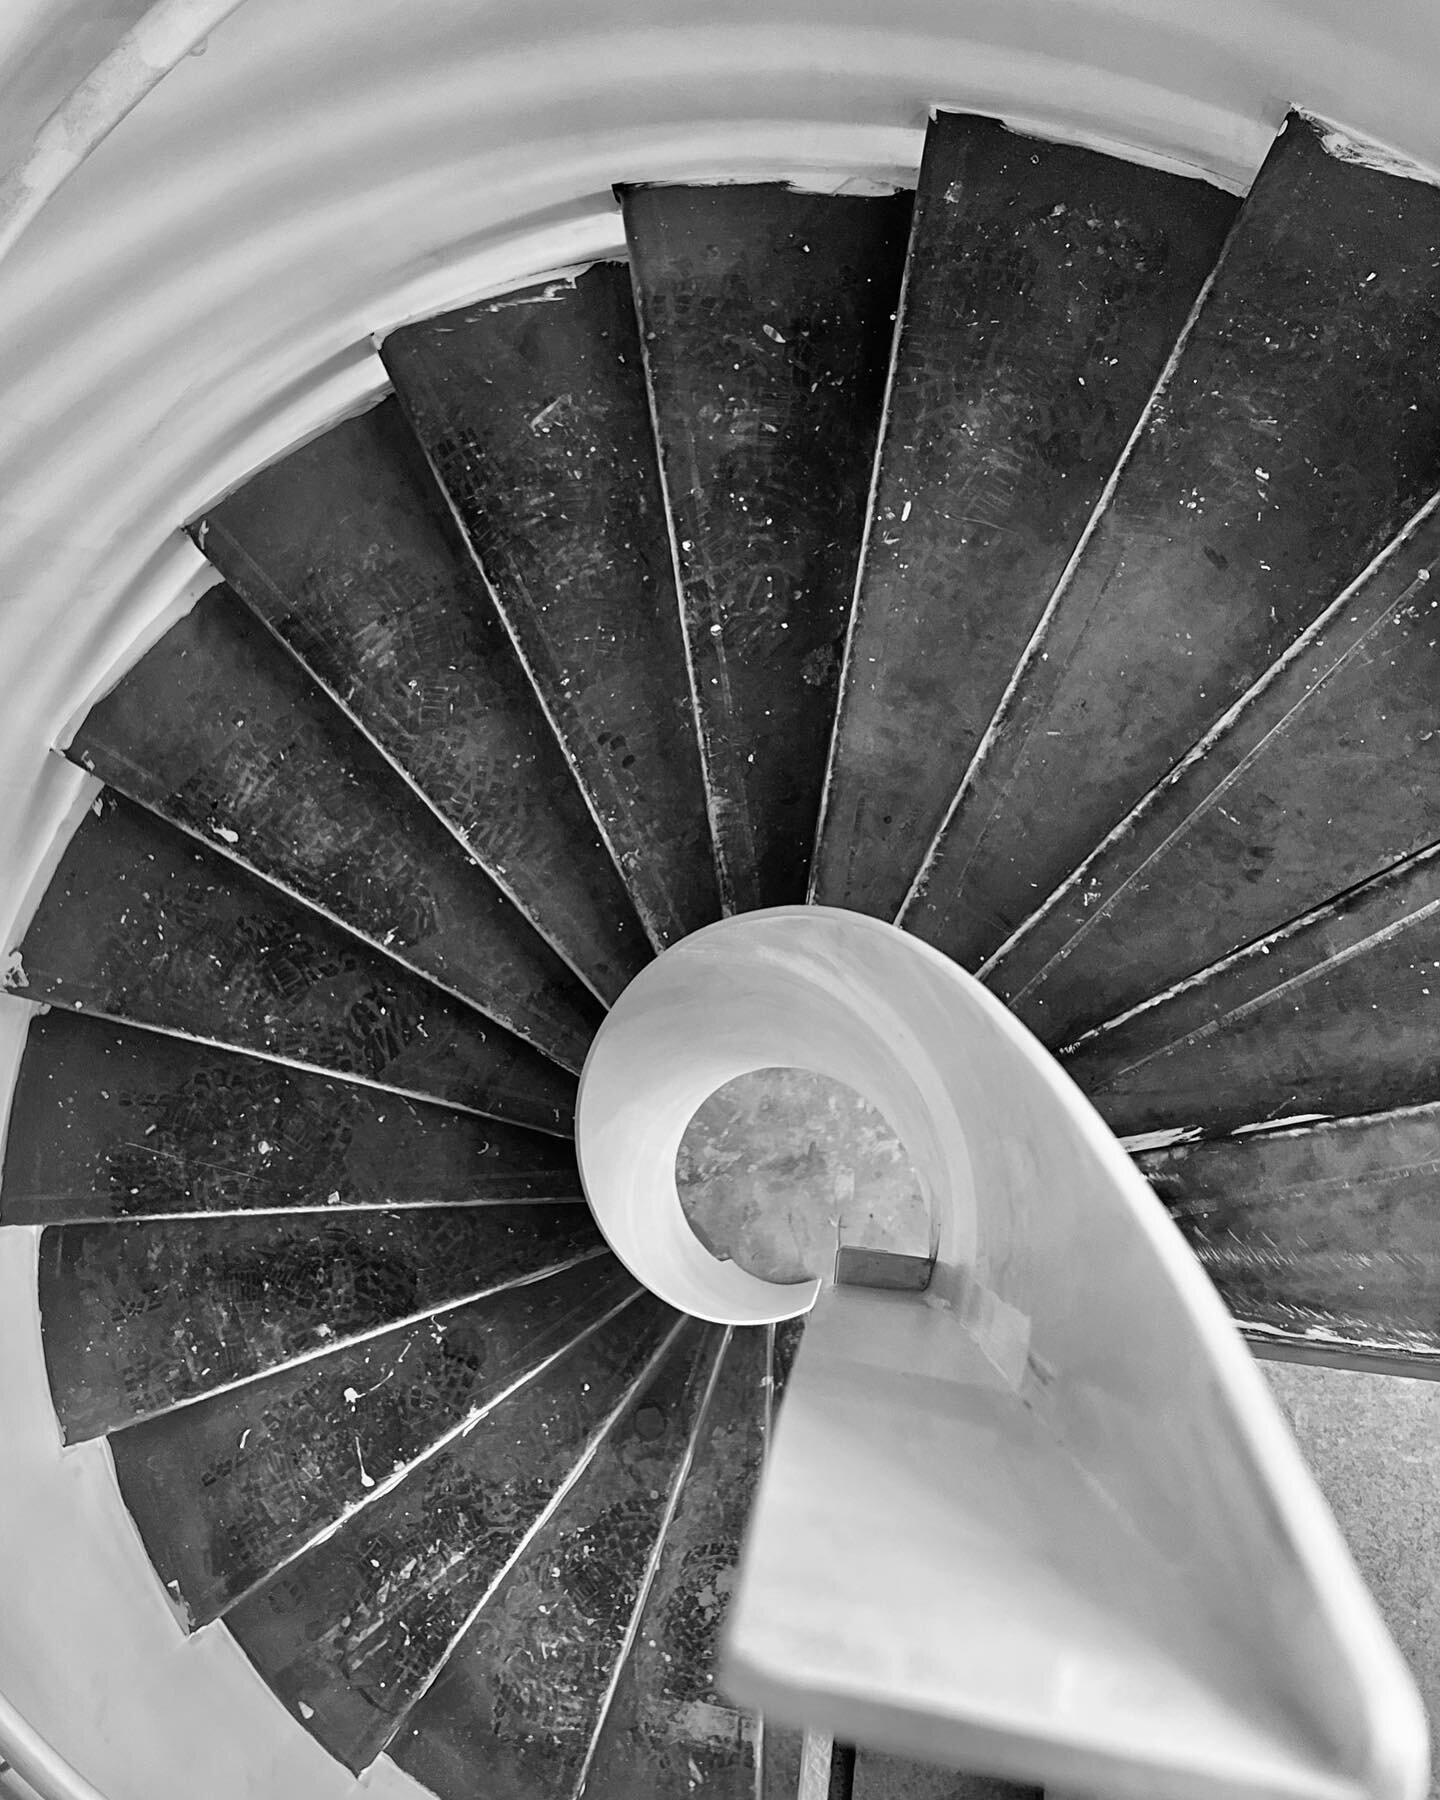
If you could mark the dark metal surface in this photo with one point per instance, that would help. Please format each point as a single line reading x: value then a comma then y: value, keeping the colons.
x: 352, y: 1633
x: 781, y: 1762
x: 784, y: 1346
x: 111, y: 1122
x: 857, y: 1265
x: 1045, y: 289
x: 842, y: 1772
x: 1338, y: 1014
x: 348, y: 552
x: 524, y: 1691
x: 224, y: 1491
x: 874, y: 1776
x: 534, y: 413
x: 1323, y: 1236
x: 140, y: 923
x: 1298, y: 431
x: 1329, y: 775
x: 668, y: 1731
x: 223, y: 733
x: 768, y: 318
x: 140, y: 1318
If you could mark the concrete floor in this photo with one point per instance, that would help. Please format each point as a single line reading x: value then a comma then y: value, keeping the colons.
x: 1373, y: 1444
x: 780, y: 1167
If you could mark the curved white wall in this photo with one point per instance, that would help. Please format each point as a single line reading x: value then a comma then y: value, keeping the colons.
x: 200, y: 295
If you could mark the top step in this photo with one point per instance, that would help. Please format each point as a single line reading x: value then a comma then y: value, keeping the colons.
x: 767, y: 318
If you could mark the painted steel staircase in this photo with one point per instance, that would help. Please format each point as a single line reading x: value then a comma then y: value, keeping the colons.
x: 1044, y: 565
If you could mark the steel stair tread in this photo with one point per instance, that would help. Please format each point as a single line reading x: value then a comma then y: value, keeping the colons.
x: 766, y: 315
x: 141, y: 1318
x: 357, y: 1627
x: 1251, y: 830
x: 1045, y: 288
x: 527, y: 1686
x: 227, y: 1490
x: 113, y: 1122
x: 353, y: 560
x: 221, y: 732
x: 1250, y: 497
x: 142, y: 924
x: 534, y: 415
x: 1334, y: 1014
x: 1322, y: 1237
x: 666, y: 1727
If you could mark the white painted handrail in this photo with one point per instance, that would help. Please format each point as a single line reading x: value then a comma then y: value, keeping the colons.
x: 728, y: 1000
x: 37, y: 1762
x: 1044, y: 1520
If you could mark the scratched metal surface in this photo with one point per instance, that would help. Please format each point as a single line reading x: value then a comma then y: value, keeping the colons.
x: 1298, y: 432
x: 141, y: 923
x: 111, y: 1122
x: 350, y: 1635
x: 534, y: 414
x: 525, y: 1690
x: 139, y: 1318
x: 226, y: 1490
x: 222, y: 732
x: 348, y: 552
x: 1046, y: 287
x: 1338, y: 1014
x: 1320, y: 1237
x: 1331, y: 773
x: 768, y: 319
x: 668, y: 1730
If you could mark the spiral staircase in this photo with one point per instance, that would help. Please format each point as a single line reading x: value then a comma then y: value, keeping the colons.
x: 1040, y: 561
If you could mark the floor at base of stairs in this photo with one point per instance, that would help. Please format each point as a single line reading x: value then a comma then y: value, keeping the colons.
x: 1373, y: 1444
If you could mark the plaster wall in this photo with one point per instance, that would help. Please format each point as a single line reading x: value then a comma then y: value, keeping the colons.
x: 47, y: 47
x: 201, y: 294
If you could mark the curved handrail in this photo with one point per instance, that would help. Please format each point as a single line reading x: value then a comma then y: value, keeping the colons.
x: 36, y: 1761
x: 1045, y: 1519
